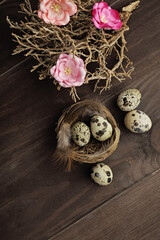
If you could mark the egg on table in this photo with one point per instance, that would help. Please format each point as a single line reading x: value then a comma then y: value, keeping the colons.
x: 101, y: 129
x: 102, y: 174
x: 137, y: 121
x: 129, y: 99
x: 80, y: 133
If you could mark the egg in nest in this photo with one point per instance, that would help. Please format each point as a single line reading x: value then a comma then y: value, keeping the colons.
x: 101, y: 129
x: 80, y: 133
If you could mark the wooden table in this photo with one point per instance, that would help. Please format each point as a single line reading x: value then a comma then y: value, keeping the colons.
x: 38, y: 199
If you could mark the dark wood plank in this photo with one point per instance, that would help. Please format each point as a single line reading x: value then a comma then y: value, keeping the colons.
x: 11, y: 9
x: 8, y: 8
x: 132, y: 215
x: 37, y: 197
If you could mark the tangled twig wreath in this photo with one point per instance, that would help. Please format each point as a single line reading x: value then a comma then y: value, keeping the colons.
x: 45, y: 42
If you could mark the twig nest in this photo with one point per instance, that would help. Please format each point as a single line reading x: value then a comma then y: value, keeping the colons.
x: 102, y: 174
x: 137, y: 121
x: 129, y: 99
x: 94, y: 151
x: 80, y: 133
x: 101, y: 129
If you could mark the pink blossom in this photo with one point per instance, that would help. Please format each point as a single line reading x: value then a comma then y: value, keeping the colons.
x: 69, y: 71
x: 56, y: 12
x: 105, y: 17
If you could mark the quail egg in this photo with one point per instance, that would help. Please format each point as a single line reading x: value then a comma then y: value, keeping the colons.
x: 102, y: 174
x: 80, y: 133
x: 101, y: 129
x: 129, y: 99
x: 137, y: 121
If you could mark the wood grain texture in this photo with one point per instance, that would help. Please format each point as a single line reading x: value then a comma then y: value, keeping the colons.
x: 132, y: 215
x: 8, y: 8
x: 37, y: 197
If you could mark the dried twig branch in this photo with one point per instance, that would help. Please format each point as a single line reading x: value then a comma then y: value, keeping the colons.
x: 46, y: 42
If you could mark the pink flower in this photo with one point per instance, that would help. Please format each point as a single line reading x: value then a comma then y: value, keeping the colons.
x: 56, y: 12
x: 69, y: 71
x: 105, y: 17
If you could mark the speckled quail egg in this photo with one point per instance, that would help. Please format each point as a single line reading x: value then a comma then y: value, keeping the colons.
x: 101, y: 129
x: 80, y: 133
x: 129, y: 99
x: 137, y: 121
x: 102, y: 174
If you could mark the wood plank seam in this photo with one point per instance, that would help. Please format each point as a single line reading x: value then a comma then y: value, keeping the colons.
x: 106, y: 202
x: 15, y: 66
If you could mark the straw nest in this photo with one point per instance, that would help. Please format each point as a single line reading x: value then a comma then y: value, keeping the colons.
x: 95, y: 151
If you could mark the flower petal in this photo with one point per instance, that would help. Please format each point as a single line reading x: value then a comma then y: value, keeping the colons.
x: 102, y: 5
x: 48, y: 5
x: 71, y: 80
x: 116, y: 25
x: 114, y: 15
x: 106, y: 13
x: 62, y: 56
x: 61, y: 65
x: 70, y: 56
x: 74, y: 72
x: 52, y: 70
x: 81, y: 63
x: 63, y: 76
x: 55, y: 75
x: 95, y: 6
x: 44, y: 17
x: 63, y: 21
x: 72, y: 8
x: 42, y: 7
x: 64, y: 84
x: 51, y: 15
x: 60, y: 15
x: 39, y: 14
x: 71, y: 63
x: 97, y: 25
x: 96, y: 14
x: 82, y: 73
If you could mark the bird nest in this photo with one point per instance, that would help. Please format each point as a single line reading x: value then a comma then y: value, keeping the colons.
x: 95, y: 151
x: 45, y: 42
